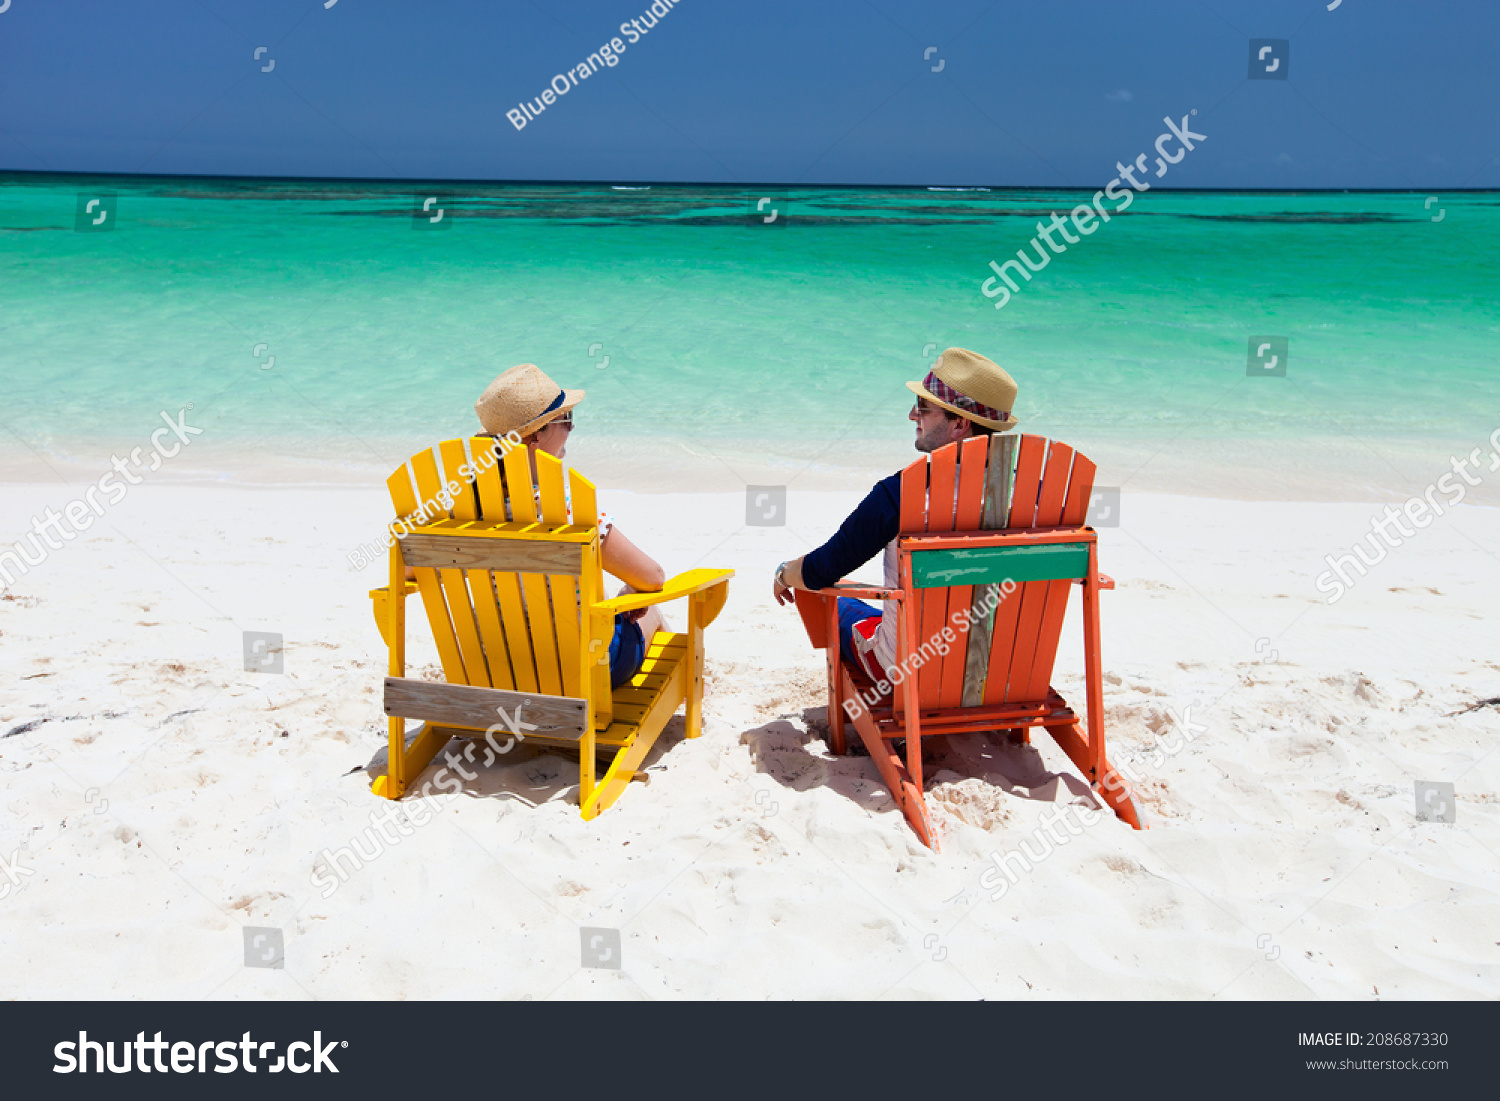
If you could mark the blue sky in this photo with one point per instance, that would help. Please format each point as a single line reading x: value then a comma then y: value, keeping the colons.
x: 1379, y: 93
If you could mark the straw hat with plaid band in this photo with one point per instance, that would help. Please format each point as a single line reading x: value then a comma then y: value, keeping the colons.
x: 966, y: 383
x: 523, y: 400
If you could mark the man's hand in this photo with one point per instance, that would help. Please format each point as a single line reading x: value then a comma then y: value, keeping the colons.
x: 788, y: 578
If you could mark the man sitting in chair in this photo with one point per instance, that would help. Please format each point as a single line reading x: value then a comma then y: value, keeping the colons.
x: 964, y: 395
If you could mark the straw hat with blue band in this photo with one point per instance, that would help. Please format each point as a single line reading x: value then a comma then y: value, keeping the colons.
x: 523, y: 400
x: 966, y: 383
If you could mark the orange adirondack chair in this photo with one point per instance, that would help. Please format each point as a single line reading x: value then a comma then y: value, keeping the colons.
x: 987, y: 523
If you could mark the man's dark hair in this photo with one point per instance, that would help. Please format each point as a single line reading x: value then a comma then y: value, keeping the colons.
x: 975, y: 428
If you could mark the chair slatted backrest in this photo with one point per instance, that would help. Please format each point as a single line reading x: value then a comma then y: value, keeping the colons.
x: 1002, y: 482
x: 523, y: 629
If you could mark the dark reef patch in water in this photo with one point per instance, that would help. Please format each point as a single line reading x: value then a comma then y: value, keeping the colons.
x: 1312, y: 218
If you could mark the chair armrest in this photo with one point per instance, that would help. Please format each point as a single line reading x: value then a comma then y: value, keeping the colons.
x: 381, y: 593
x: 380, y: 604
x: 1105, y: 581
x: 684, y: 584
x: 813, y: 606
x: 864, y: 592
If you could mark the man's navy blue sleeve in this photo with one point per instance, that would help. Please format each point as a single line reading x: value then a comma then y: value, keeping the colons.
x: 860, y: 538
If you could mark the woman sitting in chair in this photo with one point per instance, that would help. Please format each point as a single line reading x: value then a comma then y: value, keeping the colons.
x: 525, y: 401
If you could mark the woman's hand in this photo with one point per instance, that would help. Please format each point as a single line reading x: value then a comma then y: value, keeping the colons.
x: 635, y: 616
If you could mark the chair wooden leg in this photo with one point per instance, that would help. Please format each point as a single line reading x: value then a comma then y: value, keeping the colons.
x: 836, y: 738
x: 1093, y: 672
x: 697, y: 608
x: 629, y: 758
x: 402, y: 765
x: 393, y: 784
x: 1110, y: 787
x: 586, y: 772
x: 908, y: 795
x: 1089, y: 755
x: 407, y: 762
x: 907, y: 622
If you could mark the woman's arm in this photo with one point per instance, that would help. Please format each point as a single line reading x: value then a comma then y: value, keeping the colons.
x: 630, y: 564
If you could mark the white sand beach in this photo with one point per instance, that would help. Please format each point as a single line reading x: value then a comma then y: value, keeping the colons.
x: 158, y: 798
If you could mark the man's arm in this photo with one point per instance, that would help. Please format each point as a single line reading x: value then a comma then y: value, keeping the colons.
x: 787, y: 578
x: 860, y: 538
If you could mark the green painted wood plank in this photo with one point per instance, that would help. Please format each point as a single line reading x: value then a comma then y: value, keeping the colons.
x: 992, y: 565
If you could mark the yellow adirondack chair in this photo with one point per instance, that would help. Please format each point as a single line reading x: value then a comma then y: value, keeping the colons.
x: 515, y: 599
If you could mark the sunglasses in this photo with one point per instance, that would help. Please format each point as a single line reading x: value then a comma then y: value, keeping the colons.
x: 566, y: 420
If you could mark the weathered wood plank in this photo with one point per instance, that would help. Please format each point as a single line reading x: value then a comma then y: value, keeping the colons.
x: 999, y: 475
x: 464, y: 705
x: 468, y: 552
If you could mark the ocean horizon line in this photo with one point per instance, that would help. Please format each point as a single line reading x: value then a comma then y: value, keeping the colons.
x: 653, y: 183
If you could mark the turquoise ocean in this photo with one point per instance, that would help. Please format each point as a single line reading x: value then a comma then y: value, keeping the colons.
x: 323, y: 330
